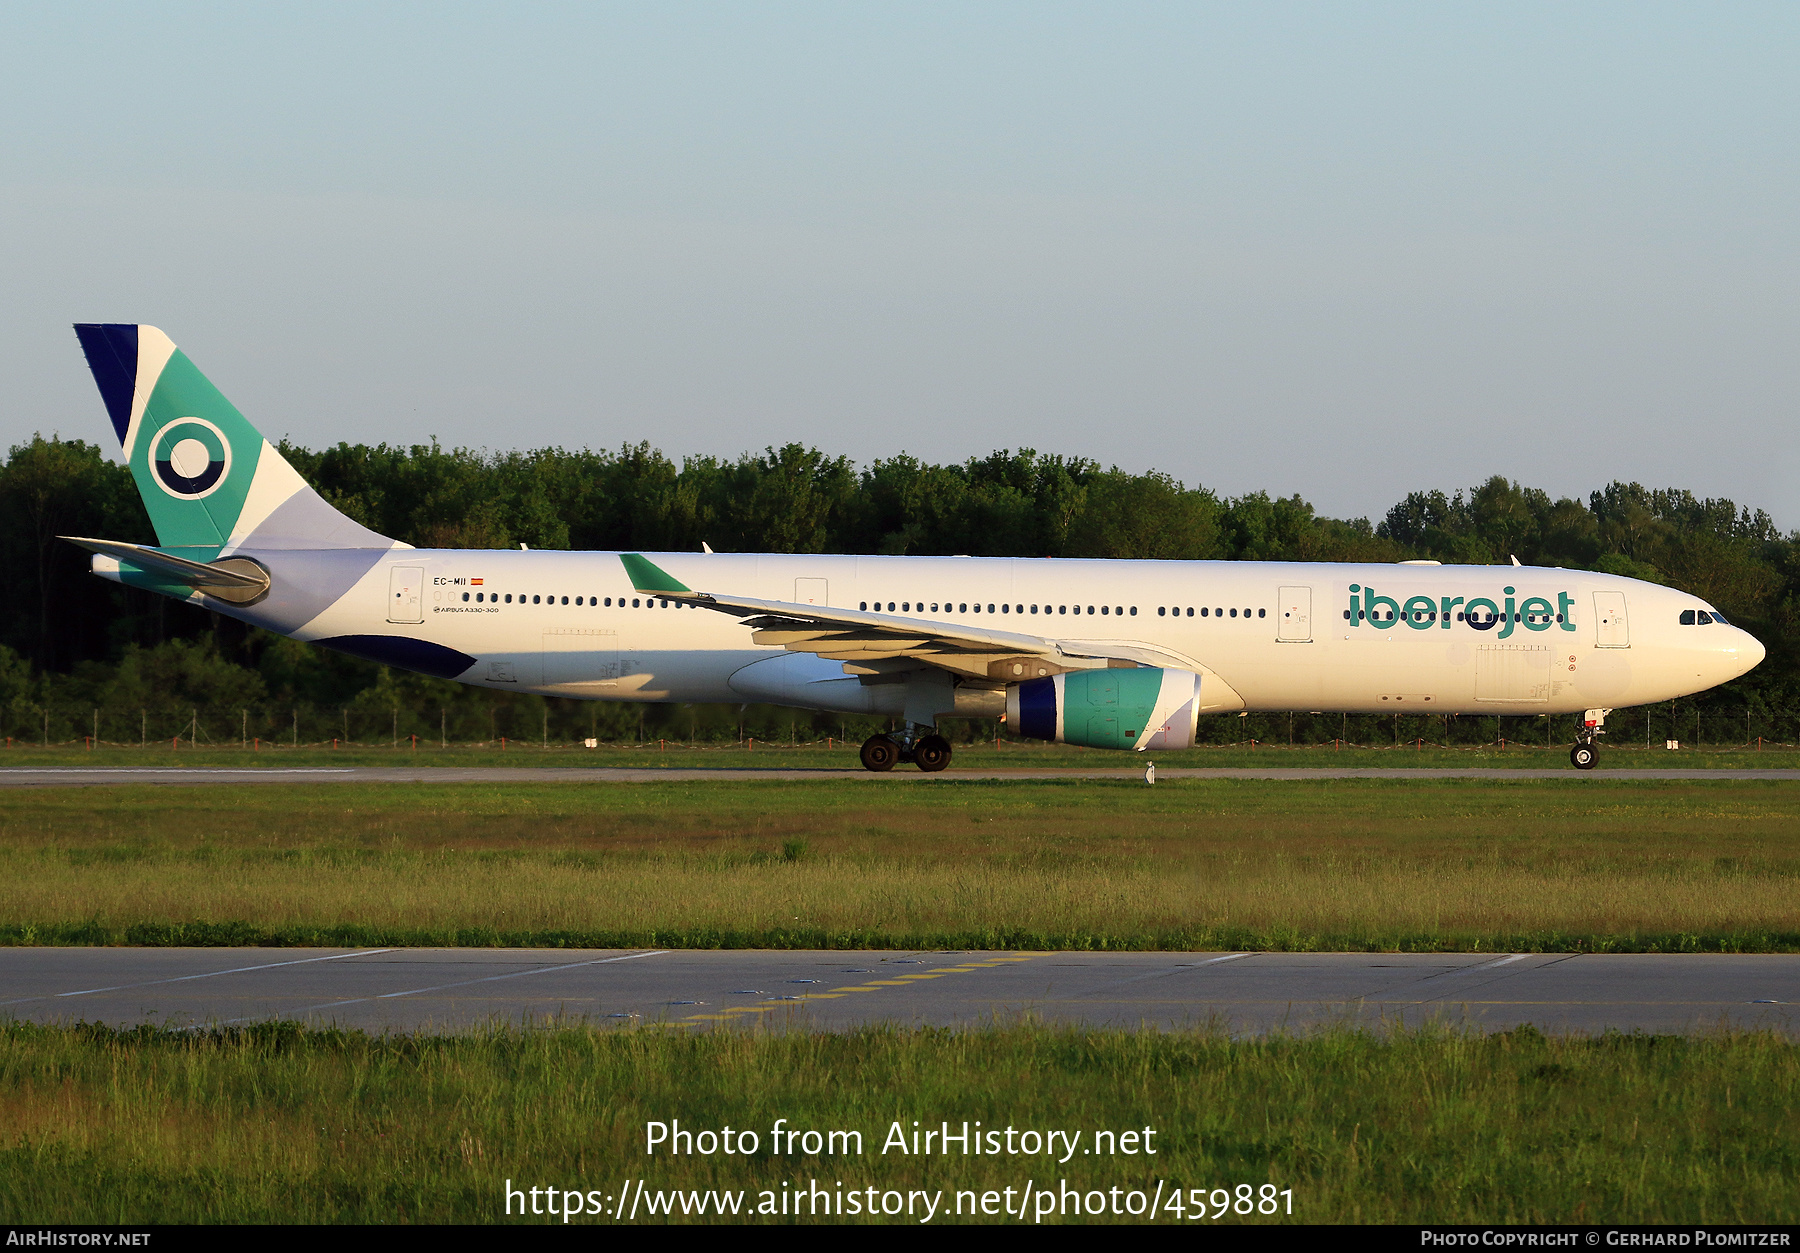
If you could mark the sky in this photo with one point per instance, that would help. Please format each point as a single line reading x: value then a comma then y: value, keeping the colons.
x: 1340, y: 250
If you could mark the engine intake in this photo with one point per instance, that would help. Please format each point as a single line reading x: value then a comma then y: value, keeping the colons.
x: 1137, y: 709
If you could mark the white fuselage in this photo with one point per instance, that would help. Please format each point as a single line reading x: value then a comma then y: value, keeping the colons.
x: 1264, y: 635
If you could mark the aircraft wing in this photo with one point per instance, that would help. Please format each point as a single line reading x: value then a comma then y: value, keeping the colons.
x: 882, y: 643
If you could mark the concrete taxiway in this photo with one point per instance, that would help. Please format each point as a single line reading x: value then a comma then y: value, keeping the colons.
x: 437, y: 990
x: 82, y: 777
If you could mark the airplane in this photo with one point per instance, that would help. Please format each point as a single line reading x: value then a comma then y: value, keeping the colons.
x: 1124, y: 655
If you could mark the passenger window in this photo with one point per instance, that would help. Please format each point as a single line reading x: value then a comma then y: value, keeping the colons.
x: 1162, y: 611
x: 1134, y: 611
x: 1262, y: 613
x: 465, y: 596
x: 961, y: 607
x: 1234, y: 613
x: 509, y: 598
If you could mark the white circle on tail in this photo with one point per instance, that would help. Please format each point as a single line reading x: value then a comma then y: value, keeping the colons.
x: 190, y: 458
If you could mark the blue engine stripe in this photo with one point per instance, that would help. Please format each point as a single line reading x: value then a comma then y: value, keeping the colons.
x: 1037, y: 709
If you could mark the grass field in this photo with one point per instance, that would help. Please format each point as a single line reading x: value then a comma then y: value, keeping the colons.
x: 1590, y: 864
x: 282, y: 1125
x: 841, y: 755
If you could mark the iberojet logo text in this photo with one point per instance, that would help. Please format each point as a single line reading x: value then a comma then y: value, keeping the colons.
x: 1421, y: 613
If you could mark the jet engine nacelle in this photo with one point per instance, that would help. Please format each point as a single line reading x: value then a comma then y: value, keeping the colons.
x: 1137, y: 709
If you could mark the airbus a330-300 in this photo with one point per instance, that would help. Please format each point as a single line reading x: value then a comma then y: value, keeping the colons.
x: 1109, y: 654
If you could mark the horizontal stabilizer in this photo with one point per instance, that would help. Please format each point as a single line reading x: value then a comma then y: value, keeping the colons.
x: 233, y: 579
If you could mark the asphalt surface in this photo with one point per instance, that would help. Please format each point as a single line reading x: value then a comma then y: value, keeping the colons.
x: 440, y: 990
x: 80, y: 777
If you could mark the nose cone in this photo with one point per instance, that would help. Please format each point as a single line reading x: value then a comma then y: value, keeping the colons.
x: 1750, y: 652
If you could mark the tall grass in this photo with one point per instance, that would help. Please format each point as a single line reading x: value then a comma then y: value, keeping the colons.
x: 282, y: 1124
x: 1201, y: 864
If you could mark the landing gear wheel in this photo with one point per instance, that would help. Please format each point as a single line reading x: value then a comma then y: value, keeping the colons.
x: 932, y: 753
x: 879, y: 753
x: 1584, y: 756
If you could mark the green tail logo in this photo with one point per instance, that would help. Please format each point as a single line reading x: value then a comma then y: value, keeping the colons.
x: 209, y: 480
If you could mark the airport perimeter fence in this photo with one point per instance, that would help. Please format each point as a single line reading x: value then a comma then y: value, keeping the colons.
x: 548, y: 722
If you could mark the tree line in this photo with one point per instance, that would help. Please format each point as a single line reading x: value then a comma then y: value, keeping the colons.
x: 74, y: 647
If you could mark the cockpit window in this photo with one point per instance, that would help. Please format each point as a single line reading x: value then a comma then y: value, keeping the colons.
x: 1719, y: 618
x: 1687, y: 617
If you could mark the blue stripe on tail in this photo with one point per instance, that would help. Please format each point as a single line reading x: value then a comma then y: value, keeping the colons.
x: 112, y: 354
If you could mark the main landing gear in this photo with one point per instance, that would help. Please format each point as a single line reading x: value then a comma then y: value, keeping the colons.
x: 929, y: 753
x: 1586, y: 754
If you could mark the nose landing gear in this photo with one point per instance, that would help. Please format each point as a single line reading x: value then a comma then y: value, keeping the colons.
x: 930, y: 753
x: 1586, y: 754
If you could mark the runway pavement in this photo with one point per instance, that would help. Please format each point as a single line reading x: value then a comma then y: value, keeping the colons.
x: 81, y: 777
x: 437, y: 990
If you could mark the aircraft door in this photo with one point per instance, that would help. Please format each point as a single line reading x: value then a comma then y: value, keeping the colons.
x: 1611, y: 627
x: 406, y: 585
x: 812, y: 591
x: 1296, y: 616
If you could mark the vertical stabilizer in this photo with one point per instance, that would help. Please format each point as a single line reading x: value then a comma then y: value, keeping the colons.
x: 208, y: 478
